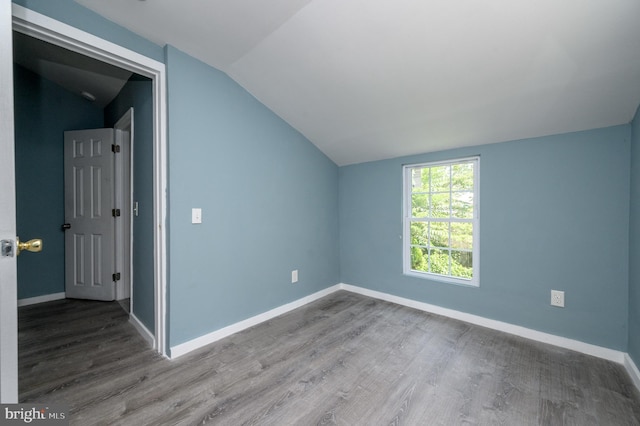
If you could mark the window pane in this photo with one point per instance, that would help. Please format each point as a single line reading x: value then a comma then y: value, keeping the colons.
x: 419, y: 205
x: 462, y: 205
x: 440, y: 179
x: 462, y: 236
x: 439, y: 234
x: 420, y: 179
x: 439, y: 261
x: 462, y: 177
x: 440, y: 237
x: 440, y: 205
x: 419, y: 259
x: 462, y: 264
x: 419, y: 233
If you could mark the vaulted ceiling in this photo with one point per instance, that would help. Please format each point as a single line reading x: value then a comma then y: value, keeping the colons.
x: 373, y: 79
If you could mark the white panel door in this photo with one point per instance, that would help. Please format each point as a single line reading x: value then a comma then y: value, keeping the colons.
x: 89, y: 200
x: 8, y: 271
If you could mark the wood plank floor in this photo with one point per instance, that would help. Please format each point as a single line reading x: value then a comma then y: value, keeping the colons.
x: 345, y: 359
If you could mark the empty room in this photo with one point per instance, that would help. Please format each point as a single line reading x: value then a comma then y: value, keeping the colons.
x: 320, y: 212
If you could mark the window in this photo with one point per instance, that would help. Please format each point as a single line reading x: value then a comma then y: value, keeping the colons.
x: 441, y: 220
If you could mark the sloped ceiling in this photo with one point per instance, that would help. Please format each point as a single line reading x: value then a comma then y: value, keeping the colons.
x: 74, y: 72
x: 373, y: 79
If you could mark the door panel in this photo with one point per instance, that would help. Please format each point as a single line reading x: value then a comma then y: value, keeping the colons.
x: 8, y: 271
x: 89, y: 199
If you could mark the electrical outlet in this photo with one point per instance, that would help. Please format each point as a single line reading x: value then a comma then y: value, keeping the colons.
x: 557, y: 298
x: 294, y: 276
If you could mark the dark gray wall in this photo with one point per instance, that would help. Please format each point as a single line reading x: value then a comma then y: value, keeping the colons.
x: 138, y: 93
x: 43, y: 111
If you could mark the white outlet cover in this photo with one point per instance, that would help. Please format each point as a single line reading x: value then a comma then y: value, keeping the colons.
x: 294, y: 276
x: 557, y: 298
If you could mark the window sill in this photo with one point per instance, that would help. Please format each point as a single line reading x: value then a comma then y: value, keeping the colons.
x: 443, y: 279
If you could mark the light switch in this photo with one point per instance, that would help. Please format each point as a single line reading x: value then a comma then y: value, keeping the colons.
x: 196, y: 215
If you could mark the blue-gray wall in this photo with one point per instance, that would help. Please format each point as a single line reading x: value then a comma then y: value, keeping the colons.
x: 634, y: 246
x: 72, y: 13
x: 43, y: 111
x: 269, y: 200
x: 553, y: 215
x: 138, y: 93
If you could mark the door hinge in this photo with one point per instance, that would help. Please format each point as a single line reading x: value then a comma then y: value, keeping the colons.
x: 115, y: 212
x: 116, y: 276
x: 115, y: 148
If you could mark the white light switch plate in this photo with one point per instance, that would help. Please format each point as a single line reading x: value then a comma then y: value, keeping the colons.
x: 196, y: 215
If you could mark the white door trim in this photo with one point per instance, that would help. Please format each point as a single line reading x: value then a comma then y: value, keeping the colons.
x: 124, y: 199
x: 8, y: 271
x: 44, y: 28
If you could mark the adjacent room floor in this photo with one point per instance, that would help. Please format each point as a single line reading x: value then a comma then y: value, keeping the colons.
x: 345, y: 359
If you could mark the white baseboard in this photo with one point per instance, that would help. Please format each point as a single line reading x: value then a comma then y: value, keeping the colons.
x: 144, y: 331
x: 41, y: 299
x: 198, y: 342
x: 632, y: 369
x: 563, y: 342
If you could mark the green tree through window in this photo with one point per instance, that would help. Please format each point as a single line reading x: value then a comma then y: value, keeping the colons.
x: 441, y: 219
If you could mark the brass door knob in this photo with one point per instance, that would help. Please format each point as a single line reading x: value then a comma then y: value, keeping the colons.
x: 34, y: 245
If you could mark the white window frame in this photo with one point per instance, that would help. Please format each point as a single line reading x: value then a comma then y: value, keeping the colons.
x: 407, y: 219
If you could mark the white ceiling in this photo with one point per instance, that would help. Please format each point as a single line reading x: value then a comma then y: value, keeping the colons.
x: 373, y: 79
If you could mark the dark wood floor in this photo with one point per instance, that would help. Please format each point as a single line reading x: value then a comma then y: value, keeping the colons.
x: 345, y: 359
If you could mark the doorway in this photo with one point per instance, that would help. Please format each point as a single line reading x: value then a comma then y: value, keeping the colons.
x: 82, y: 190
x: 46, y: 29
